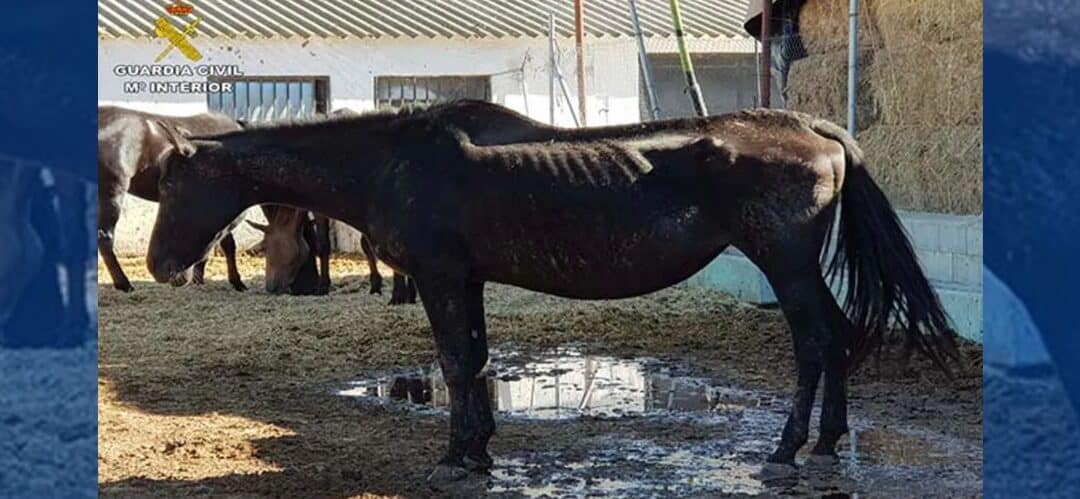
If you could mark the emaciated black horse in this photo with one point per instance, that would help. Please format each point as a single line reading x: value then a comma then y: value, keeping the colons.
x: 596, y: 213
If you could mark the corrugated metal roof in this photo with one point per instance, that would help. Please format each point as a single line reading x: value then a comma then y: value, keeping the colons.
x: 419, y: 18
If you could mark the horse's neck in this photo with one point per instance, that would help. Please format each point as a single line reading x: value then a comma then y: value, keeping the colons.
x: 310, y: 182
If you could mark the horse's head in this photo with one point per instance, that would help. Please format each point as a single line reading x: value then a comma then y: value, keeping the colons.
x: 196, y: 208
x: 286, y: 248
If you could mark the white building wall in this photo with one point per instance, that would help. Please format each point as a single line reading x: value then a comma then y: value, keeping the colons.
x: 352, y: 66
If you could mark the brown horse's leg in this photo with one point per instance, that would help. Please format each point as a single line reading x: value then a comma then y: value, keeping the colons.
x: 322, y: 247
x: 446, y: 300
x: 110, y: 204
x: 228, y: 246
x: 373, y: 266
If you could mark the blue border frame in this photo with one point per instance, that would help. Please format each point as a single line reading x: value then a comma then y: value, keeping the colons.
x: 1032, y: 237
x: 48, y: 95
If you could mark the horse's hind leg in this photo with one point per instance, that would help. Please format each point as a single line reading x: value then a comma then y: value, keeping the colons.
x: 403, y: 290
x: 322, y: 249
x: 808, y: 305
x: 410, y: 290
x: 228, y: 246
x: 373, y: 265
x: 110, y: 204
x: 198, y: 273
x: 834, y: 402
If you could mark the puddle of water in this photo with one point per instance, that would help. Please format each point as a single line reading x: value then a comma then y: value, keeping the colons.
x: 565, y: 385
x: 665, y: 454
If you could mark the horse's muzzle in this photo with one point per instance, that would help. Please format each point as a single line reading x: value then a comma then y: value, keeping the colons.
x: 168, y: 271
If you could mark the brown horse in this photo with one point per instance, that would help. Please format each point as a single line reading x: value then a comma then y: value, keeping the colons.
x: 596, y: 213
x: 290, y: 238
x: 130, y: 145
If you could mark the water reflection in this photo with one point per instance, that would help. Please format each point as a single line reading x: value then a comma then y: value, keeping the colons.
x: 566, y: 385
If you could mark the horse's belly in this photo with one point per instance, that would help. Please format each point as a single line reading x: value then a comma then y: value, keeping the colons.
x: 595, y: 260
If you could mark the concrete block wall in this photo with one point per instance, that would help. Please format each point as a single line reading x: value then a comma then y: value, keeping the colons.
x: 949, y: 248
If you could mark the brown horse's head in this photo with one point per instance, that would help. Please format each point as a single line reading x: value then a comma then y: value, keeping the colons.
x: 197, y: 205
x: 287, y: 250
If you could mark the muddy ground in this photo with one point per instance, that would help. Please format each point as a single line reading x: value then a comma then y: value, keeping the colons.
x: 205, y: 391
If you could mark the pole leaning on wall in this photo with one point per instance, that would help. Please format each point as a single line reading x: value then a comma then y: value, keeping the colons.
x: 557, y: 76
x: 579, y: 42
x: 646, y: 67
x: 551, y: 67
x: 687, y: 64
x: 853, y: 65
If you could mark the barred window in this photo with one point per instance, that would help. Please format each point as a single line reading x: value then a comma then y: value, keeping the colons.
x: 398, y: 91
x: 269, y: 98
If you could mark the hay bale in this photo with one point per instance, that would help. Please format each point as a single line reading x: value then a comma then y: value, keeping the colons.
x: 818, y: 85
x: 927, y: 168
x: 903, y: 23
x: 920, y: 93
x: 823, y: 25
x: 889, y: 23
x: 938, y: 84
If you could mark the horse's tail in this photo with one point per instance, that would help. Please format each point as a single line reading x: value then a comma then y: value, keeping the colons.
x: 885, y: 285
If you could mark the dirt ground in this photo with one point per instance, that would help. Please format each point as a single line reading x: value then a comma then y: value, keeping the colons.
x: 205, y: 391
x: 47, y: 432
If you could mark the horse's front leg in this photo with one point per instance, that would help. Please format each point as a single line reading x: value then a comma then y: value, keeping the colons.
x: 110, y: 204
x: 476, y: 456
x: 462, y: 354
x: 228, y: 246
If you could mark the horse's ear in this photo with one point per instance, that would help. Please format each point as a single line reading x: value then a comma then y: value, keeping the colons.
x: 178, y: 139
x: 261, y: 227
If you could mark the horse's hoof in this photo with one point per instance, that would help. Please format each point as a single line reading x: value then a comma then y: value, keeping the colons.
x: 775, y: 471
x: 444, y: 474
x: 375, y: 291
x: 125, y: 287
x: 239, y: 286
x: 822, y: 460
x: 478, y: 462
